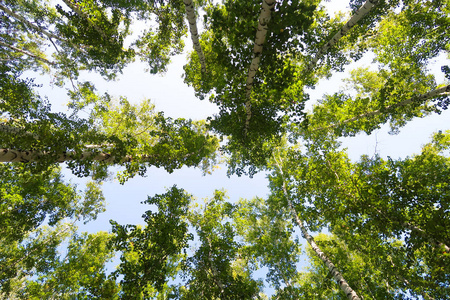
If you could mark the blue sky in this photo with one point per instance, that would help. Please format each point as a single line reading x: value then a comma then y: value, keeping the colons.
x: 171, y: 95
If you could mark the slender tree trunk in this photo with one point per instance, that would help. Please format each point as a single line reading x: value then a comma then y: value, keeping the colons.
x: 349, y: 292
x: 264, y: 18
x: 357, y: 16
x: 82, y: 14
x: 420, y: 98
x: 190, y: 14
x: 26, y: 53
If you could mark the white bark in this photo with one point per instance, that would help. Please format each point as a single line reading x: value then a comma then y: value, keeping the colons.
x: 357, y: 16
x: 264, y: 18
x: 190, y: 14
x: 445, y: 90
x: 349, y: 292
x: 26, y: 53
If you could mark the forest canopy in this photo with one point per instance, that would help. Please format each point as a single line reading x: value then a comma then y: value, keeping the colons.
x: 374, y: 227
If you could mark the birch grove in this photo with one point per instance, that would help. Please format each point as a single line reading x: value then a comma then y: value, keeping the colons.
x: 304, y: 218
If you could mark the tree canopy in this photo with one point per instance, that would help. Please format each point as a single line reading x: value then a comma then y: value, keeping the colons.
x: 375, y: 227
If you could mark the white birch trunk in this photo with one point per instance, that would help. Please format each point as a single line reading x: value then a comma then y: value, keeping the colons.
x: 14, y: 130
x: 190, y: 14
x: 26, y: 53
x: 349, y: 292
x: 445, y: 90
x: 264, y: 18
x: 357, y: 16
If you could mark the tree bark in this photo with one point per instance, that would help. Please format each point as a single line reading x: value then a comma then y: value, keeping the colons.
x: 431, y: 94
x: 264, y: 18
x: 357, y: 16
x: 190, y: 14
x: 349, y: 292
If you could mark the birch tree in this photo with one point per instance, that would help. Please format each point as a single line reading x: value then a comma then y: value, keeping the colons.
x: 229, y: 53
x: 365, y: 203
x: 356, y: 17
x: 387, y: 218
x: 349, y: 292
x: 403, y: 88
x: 381, y: 97
x: 83, y: 35
x: 191, y: 18
x: 261, y: 33
x: 126, y: 135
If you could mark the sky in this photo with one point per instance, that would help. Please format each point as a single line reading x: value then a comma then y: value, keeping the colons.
x: 171, y: 95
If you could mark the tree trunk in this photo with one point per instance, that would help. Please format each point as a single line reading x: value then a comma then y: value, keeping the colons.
x: 351, y: 294
x: 358, y: 15
x: 264, y: 18
x: 190, y: 14
x: 431, y: 94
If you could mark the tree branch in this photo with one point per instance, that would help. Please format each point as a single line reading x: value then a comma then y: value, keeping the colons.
x: 357, y: 16
x: 26, y: 53
x: 445, y: 90
x: 28, y: 23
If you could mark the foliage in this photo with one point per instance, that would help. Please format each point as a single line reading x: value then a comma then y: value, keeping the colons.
x: 386, y: 220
